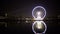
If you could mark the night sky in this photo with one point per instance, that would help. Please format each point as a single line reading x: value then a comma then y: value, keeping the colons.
x: 25, y: 7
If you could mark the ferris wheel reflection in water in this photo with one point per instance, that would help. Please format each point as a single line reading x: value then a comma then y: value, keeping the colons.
x: 39, y: 13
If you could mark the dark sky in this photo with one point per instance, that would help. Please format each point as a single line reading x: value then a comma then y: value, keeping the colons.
x: 25, y: 7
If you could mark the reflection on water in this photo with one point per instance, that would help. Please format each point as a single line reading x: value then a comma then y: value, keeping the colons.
x: 39, y: 27
x: 23, y: 27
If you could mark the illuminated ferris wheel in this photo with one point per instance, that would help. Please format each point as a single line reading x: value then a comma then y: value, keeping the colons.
x: 39, y: 13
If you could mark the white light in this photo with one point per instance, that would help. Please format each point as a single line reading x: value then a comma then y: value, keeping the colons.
x: 38, y: 25
x: 26, y: 21
x: 39, y: 13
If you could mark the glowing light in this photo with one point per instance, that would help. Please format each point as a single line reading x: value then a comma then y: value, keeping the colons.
x: 39, y: 12
x: 39, y: 25
x: 26, y: 21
